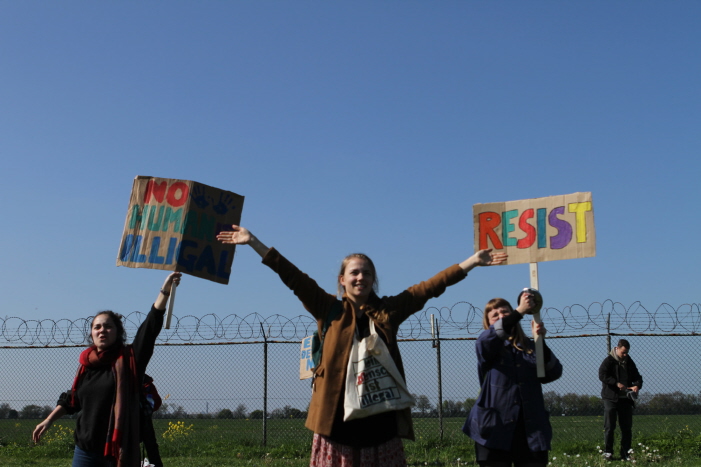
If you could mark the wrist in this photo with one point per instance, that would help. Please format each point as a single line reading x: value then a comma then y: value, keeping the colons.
x: 258, y: 246
x: 469, y: 264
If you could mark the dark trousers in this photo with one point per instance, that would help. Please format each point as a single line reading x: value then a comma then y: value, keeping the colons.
x: 520, y: 454
x: 623, y: 410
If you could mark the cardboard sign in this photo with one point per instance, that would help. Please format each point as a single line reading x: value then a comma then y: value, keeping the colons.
x: 306, y: 364
x: 172, y: 225
x: 539, y: 229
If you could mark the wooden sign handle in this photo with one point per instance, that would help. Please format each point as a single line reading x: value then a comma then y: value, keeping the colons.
x: 538, y: 339
x: 169, y: 314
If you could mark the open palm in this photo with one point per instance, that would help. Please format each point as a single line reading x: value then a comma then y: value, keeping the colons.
x: 237, y: 236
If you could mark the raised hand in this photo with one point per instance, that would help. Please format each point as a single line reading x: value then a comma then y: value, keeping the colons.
x: 487, y: 258
x: 483, y: 258
x: 237, y: 236
x: 530, y: 301
x: 171, y: 281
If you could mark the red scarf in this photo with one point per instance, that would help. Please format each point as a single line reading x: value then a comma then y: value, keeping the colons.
x: 122, y: 441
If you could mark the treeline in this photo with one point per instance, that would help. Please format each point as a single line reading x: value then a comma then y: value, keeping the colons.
x: 240, y: 412
x: 451, y: 408
x: 675, y: 403
x: 570, y: 404
x: 28, y: 411
x: 170, y: 411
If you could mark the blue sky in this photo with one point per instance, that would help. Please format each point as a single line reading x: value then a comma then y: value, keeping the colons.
x: 357, y: 126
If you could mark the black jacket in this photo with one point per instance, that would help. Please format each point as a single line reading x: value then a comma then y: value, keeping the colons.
x: 608, y: 375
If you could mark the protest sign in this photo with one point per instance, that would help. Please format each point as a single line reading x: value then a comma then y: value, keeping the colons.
x: 538, y: 229
x: 306, y: 363
x: 172, y: 225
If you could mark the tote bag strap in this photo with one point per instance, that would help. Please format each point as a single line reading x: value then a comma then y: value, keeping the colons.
x: 381, y: 352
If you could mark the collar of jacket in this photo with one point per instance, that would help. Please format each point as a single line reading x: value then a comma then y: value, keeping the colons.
x: 371, y: 307
x: 372, y: 304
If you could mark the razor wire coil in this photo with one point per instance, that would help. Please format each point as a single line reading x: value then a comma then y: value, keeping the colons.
x: 460, y: 320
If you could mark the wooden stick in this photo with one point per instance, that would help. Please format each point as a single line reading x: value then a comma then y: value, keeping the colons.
x: 538, y: 339
x: 169, y: 315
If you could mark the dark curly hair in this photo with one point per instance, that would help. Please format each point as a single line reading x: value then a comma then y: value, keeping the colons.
x: 117, y: 320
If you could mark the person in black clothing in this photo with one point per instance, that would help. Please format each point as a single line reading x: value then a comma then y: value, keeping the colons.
x: 107, y: 387
x: 621, y: 383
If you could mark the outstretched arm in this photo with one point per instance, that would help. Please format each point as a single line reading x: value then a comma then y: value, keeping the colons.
x: 242, y: 236
x: 146, y: 335
x: 313, y: 297
x: 415, y: 297
x: 483, y: 258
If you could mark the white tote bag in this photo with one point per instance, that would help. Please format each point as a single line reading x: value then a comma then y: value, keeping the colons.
x: 373, y: 382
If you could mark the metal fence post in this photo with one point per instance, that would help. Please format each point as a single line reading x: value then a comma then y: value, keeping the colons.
x: 608, y: 333
x: 437, y: 346
x: 265, y: 386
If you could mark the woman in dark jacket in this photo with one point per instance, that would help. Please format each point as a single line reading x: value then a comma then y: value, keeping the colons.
x: 107, y: 386
x: 374, y: 441
x: 509, y: 422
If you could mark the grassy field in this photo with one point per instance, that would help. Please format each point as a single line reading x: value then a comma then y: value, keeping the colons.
x: 212, y: 442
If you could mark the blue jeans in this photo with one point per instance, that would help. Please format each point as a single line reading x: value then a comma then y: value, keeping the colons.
x: 88, y: 459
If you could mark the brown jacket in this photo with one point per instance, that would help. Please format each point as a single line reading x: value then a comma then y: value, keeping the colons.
x: 386, y: 312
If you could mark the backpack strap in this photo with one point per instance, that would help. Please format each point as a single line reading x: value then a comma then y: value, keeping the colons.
x: 335, y: 311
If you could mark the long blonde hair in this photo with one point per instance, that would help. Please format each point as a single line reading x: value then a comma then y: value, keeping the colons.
x: 378, y: 315
x: 517, y: 338
x: 344, y: 264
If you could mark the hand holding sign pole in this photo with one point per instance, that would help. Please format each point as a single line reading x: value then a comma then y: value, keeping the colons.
x: 165, y: 294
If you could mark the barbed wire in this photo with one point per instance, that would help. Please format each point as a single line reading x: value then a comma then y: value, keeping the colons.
x: 462, y: 319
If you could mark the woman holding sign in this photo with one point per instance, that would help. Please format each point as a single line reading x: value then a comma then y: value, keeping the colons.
x: 509, y: 422
x: 107, y: 387
x: 374, y: 440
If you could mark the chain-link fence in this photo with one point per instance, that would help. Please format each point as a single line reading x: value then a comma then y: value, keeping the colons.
x: 242, y: 373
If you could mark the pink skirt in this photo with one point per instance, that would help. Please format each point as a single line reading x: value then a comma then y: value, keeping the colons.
x: 326, y: 453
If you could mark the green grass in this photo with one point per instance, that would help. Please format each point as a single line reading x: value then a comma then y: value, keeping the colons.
x: 212, y: 442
